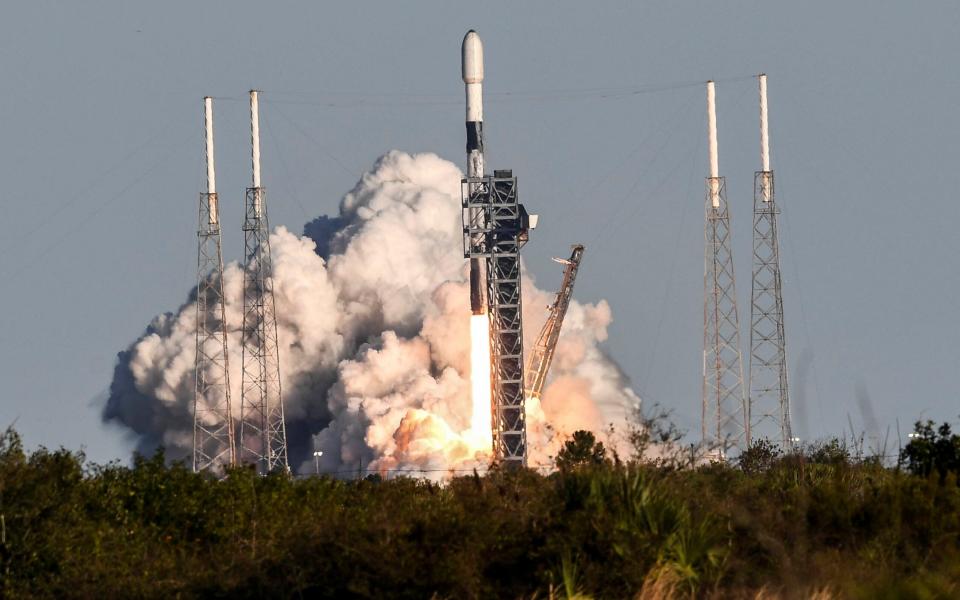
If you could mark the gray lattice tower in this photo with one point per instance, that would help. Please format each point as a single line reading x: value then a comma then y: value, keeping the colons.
x: 538, y: 364
x: 213, y: 438
x: 263, y: 439
x: 769, y: 405
x: 498, y: 237
x: 724, y: 412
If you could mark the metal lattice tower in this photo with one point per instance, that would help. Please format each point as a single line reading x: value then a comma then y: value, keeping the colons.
x: 724, y: 411
x: 213, y: 443
x: 539, y: 362
x: 769, y: 406
x: 263, y: 438
x: 498, y: 237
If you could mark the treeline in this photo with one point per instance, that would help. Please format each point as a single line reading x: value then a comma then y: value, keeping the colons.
x: 812, y: 522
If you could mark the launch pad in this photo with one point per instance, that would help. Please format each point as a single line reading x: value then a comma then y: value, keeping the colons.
x: 495, y: 227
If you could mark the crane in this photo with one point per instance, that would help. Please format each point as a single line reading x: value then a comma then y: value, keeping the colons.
x: 539, y: 362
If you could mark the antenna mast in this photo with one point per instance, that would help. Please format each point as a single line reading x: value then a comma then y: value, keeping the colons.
x: 263, y: 437
x: 769, y: 400
x: 725, y: 422
x: 213, y: 438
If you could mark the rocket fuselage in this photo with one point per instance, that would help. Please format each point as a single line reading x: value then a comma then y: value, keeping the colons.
x: 471, y: 54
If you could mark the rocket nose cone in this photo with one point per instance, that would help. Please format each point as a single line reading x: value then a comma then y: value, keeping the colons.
x: 471, y: 54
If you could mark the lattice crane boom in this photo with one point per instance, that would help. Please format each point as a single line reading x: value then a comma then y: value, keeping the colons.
x: 538, y: 364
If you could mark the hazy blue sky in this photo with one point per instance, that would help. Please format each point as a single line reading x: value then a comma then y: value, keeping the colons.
x: 102, y: 162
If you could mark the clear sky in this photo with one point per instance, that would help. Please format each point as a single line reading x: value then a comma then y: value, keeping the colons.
x: 598, y: 108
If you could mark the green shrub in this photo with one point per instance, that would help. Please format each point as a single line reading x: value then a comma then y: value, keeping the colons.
x: 782, y: 524
x: 932, y: 451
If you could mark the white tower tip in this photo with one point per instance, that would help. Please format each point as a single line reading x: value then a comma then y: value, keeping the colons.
x: 764, y: 130
x: 208, y: 136
x: 255, y: 135
x: 712, y: 130
x: 712, y: 144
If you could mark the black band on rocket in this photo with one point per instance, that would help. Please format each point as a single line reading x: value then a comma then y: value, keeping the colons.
x: 474, y: 136
x: 476, y: 303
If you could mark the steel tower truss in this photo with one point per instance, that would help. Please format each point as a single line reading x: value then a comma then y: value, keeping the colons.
x: 769, y: 406
x: 539, y: 362
x: 213, y: 437
x: 724, y: 408
x: 495, y: 227
x: 263, y: 438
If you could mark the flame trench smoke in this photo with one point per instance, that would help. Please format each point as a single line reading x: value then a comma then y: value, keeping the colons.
x: 374, y: 328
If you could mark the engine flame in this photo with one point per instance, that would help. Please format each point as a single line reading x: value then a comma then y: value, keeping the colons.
x: 481, y: 432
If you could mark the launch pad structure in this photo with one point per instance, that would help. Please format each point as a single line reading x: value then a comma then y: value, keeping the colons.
x: 213, y: 435
x: 725, y: 422
x: 262, y: 431
x: 263, y: 437
x: 538, y: 365
x: 495, y: 227
x: 769, y: 404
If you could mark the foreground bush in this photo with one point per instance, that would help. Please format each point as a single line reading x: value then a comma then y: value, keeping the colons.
x: 786, y: 526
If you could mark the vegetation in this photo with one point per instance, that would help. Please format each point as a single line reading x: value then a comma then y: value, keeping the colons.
x: 580, y: 450
x: 812, y: 523
x: 932, y: 451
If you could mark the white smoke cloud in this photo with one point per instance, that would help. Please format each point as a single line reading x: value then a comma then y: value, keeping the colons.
x: 373, y: 326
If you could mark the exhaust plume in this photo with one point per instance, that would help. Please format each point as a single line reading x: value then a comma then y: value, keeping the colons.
x: 373, y: 320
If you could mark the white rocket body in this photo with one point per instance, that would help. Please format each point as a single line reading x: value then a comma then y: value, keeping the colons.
x: 471, y: 69
x: 471, y: 54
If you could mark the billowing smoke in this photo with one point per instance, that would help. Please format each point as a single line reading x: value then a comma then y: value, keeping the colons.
x: 373, y: 316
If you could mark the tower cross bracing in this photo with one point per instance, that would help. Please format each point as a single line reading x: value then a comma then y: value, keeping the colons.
x: 724, y: 423
x: 213, y: 425
x: 769, y: 400
x: 263, y: 439
x: 497, y: 236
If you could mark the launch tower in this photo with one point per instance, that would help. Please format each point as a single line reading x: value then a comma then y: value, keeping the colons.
x: 497, y: 236
x: 724, y: 411
x: 769, y: 406
x: 263, y: 437
x: 213, y: 437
